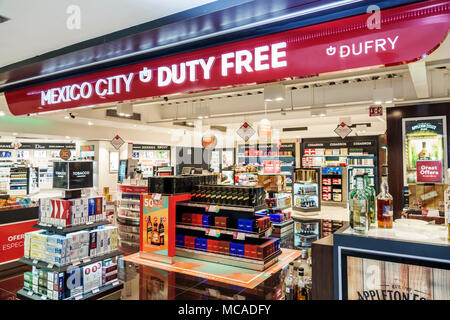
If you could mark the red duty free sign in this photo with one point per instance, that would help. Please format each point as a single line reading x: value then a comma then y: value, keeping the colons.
x: 429, y: 171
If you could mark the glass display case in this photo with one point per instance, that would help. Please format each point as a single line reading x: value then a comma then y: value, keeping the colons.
x: 305, y: 233
x: 306, y: 190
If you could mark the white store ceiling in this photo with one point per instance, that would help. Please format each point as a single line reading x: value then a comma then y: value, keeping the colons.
x: 39, y: 26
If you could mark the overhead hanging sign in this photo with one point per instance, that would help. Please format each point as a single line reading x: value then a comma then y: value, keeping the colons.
x: 333, y: 46
x: 376, y: 111
x: 343, y: 130
x: 117, y: 142
x: 245, y: 131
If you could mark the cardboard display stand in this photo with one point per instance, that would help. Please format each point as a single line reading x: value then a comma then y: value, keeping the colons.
x: 157, y: 226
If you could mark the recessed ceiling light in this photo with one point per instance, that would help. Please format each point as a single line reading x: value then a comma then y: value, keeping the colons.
x: 378, y: 102
x: 90, y: 123
x: 2, y: 113
x: 389, y: 101
x: 189, y: 123
x: 15, y: 133
x: 67, y: 137
x: 66, y: 117
x: 200, y: 117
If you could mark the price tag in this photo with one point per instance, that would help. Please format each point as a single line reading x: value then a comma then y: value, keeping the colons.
x: 79, y: 297
x: 238, y: 236
x: 157, y: 196
x: 43, y: 297
x: 212, y: 208
x: 96, y: 290
x: 86, y: 260
x: 75, y: 263
x: 211, y: 232
x: 89, y: 222
x: 30, y: 293
x: 50, y: 265
x: 35, y: 261
x: 115, y: 283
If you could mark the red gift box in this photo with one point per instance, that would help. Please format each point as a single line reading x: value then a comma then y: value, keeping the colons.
x: 212, y: 246
x: 186, y: 218
x: 265, y: 249
x: 250, y: 251
x: 224, y: 247
x: 221, y: 222
x: 189, y: 242
x: 197, y: 219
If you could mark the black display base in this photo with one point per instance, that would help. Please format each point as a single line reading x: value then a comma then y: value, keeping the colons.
x: 63, y: 231
x: 72, y: 194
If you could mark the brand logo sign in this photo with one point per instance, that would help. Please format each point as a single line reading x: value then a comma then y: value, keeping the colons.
x: 64, y: 154
x: 429, y: 171
x: 337, y: 45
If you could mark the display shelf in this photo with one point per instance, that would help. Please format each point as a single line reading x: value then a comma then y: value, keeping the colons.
x: 283, y: 224
x: 206, y: 206
x: 63, y: 231
x: 129, y: 200
x: 74, y: 264
x: 247, y: 234
x: 130, y: 209
x: 95, y: 293
x: 253, y: 264
x: 132, y: 219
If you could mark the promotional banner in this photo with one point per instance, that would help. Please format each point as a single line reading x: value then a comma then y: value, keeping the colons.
x: 382, y: 280
x: 424, y: 139
x: 332, y: 46
x: 12, y: 239
x: 154, y: 224
x: 272, y: 166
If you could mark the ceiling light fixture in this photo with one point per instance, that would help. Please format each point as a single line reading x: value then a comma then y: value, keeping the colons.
x: 275, y: 92
x: 2, y: 113
x: 90, y: 123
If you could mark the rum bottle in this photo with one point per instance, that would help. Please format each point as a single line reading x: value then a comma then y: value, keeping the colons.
x: 359, y: 208
x: 155, y: 234
x: 149, y: 230
x: 384, y: 205
x: 161, y: 232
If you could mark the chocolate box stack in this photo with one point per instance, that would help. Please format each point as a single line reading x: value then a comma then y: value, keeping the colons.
x: 229, y: 195
x: 178, y: 184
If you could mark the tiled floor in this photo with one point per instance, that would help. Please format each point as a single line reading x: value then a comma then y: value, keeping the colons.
x: 143, y: 283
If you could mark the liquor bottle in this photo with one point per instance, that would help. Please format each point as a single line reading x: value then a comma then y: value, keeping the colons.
x: 294, y: 283
x: 300, y: 285
x: 289, y: 290
x: 155, y: 234
x: 424, y: 154
x: 384, y: 205
x: 149, y: 230
x: 359, y: 208
x: 352, y: 193
x: 161, y: 232
x: 371, y: 194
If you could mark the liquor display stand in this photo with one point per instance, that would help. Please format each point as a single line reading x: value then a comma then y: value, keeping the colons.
x: 210, y: 229
x: 128, y: 215
x: 60, y: 278
x: 306, y: 192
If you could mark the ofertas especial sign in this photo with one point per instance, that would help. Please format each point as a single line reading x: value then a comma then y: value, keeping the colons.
x: 332, y: 46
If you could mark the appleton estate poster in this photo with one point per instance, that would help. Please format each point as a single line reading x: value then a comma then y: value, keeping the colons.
x: 382, y: 280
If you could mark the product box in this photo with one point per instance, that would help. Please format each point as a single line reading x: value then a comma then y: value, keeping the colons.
x: 200, y: 244
x: 74, y: 282
x: 212, y: 246
x: 189, y: 242
x: 265, y: 249
x: 221, y: 222
x: 179, y: 240
x: 28, y: 277
x: 237, y: 249
x: 92, y: 276
x: 93, y: 243
x: 224, y: 247
x: 92, y: 209
x: 272, y: 182
x: 186, y: 218
x: 250, y: 251
x: 98, y: 209
x: 206, y: 220
x: 245, y: 225
x: 197, y: 219
x: 109, y: 271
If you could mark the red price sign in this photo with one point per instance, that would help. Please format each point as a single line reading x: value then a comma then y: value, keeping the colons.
x: 429, y: 171
x: 272, y: 166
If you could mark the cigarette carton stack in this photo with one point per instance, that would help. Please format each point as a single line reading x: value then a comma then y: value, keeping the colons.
x: 65, y: 213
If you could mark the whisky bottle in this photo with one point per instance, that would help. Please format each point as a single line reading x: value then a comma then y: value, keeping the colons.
x: 371, y: 195
x: 359, y: 208
x: 384, y: 205
x: 301, y: 285
x: 161, y: 232
x: 155, y: 234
